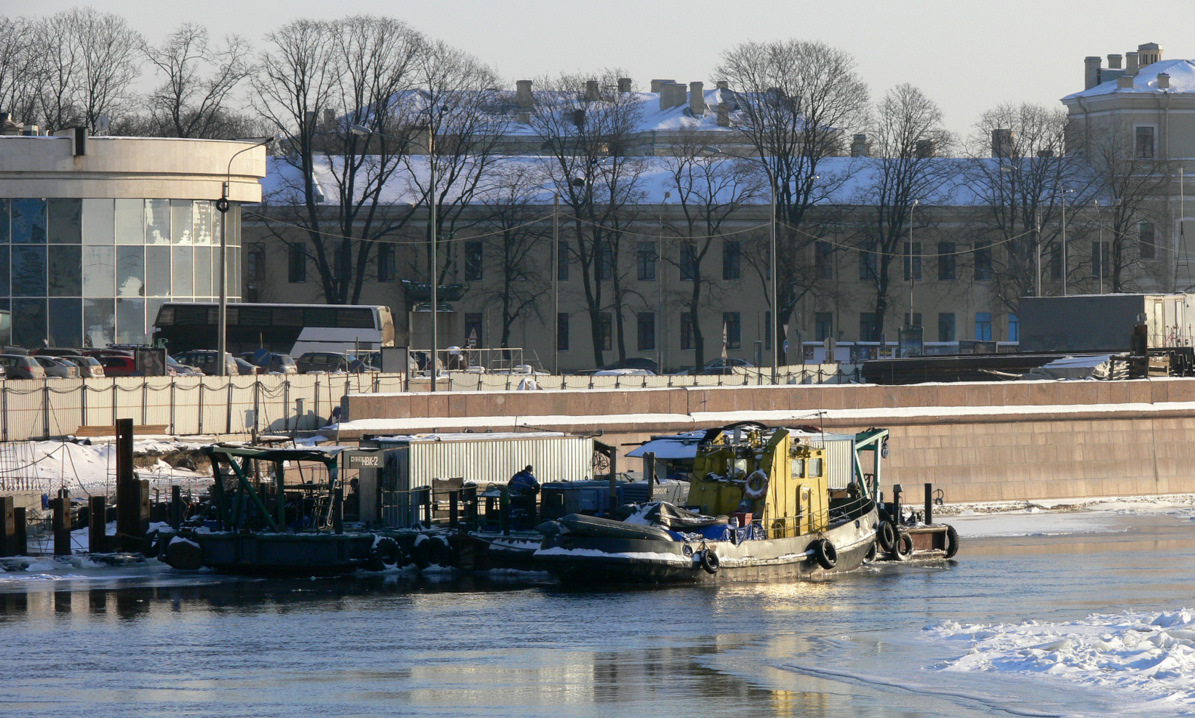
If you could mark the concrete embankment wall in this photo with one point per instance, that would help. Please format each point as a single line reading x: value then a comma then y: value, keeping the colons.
x: 977, y: 442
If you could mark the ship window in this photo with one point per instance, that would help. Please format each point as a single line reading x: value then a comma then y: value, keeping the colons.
x: 798, y: 468
x: 740, y: 468
x: 815, y: 467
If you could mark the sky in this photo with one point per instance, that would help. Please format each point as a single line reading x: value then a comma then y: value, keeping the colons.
x: 966, y: 55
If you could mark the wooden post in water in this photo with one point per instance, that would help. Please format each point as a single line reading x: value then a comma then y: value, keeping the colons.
x: 128, y: 499
x: 929, y: 503
x: 8, y: 529
x: 21, y: 532
x: 61, y: 524
x: 97, y: 528
x: 176, y: 507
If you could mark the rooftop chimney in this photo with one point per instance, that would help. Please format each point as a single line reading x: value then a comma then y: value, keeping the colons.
x: 696, y: 98
x: 723, y: 85
x: 591, y: 91
x: 1114, y: 62
x: 1091, y: 72
x: 1002, y: 142
x: 671, y: 95
x: 1163, y: 81
x: 1132, y: 65
x: 1124, y: 82
x: 624, y: 84
x: 723, y: 114
x: 925, y: 148
x: 523, y: 94
x: 657, y: 84
x: 579, y: 118
x: 859, y: 146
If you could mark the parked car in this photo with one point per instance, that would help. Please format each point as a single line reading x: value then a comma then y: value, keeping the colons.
x: 247, y: 368
x: 634, y: 363
x: 56, y: 367
x: 720, y: 366
x: 271, y: 362
x: 205, y: 360
x: 55, y: 352
x: 330, y: 362
x: 178, y: 369
x: 117, y: 364
x: 89, y: 367
x: 623, y: 372
x: 21, y: 366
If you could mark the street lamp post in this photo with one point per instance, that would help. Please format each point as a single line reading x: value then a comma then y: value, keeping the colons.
x: 912, y: 276
x: 1064, y: 258
x: 660, y: 283
x: 222, y: 205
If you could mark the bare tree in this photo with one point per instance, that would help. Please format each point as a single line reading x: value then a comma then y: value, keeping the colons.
x: 709, y: 190
x: 317, y: 82
x: 200, y: 78
x: 18, y: 67
x: 585, y: 126
x: 794, y: 99
x: 1021, y: 175
x: 905, y: 135
x: 515, y: 248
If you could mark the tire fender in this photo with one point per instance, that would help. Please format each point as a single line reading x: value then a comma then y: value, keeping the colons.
x: 825, y: 553
x: 904, y: 546
x: 952, y: 541
x: 710, y: 561
x: 886, y: 536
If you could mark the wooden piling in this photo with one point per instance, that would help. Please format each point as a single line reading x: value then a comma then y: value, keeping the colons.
x: 21, y: 532
x: 128, y: 500
x: 176, y: 507
x: 929, y: 503
x: 61, y: 524
x: 97, y: 529
x: 8, y: 529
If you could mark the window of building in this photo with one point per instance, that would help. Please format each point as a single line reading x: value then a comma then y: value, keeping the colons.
x: 823, y: 260
x: 983, y: 326
x: 1145, y: 237
x: 947, y: 261
x: 562, y: 332
x: 867, y: 261
x: 823, y: 325
x: 387, y: 267
x: 1100, y: 256
x: 645, y: 259
x: 606, y: 330
x: 946, y: 327
x: 734, y: 330
x: 1056, y: 261
x: 912, y: 261
x: 473, y: 329
x: 255, y: 265
x: 916, y: 319
x: 297, y: 263
x: 688, y: 263
x: 646, y: 331
x: 562, y: 261
x: 983, y: 261
x: 687, y: 321
x: 1014, y: 328
x: 605, y: 262
x: 473, y: 262
x: 1145, y: 142
x: 869, y: 331
x: 731, y: 259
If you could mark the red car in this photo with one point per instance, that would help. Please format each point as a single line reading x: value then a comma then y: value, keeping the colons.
x: 117, y: 365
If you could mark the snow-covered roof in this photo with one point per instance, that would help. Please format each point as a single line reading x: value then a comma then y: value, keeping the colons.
x: 1181, y: 72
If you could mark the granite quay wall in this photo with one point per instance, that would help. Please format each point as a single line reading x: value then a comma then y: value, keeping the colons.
x: 995, y: 441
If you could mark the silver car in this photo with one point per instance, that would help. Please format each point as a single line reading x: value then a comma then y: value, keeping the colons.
x: 57, y: 368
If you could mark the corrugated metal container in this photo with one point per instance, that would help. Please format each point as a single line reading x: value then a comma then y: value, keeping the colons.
x: 1103, y: 322
x: 493, y: 458
x: 840, y: 457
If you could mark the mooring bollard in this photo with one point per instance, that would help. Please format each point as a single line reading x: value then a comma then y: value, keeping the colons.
x: 61, y: 525
x: 97, y: 528
x: 896, y: 491
x: 929, y: 503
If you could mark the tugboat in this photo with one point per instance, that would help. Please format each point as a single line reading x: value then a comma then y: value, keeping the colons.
x: 761, y: 507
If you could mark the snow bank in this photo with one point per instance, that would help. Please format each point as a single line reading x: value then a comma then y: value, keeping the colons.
x: 1140, y: 653
x: 89, y: 468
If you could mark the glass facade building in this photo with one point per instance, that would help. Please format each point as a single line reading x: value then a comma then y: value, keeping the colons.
x: 93, y: 272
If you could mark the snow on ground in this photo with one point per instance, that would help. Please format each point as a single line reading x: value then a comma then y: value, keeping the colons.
x: 1055, y: 517
x: 85, y: 469
x: 1150, y: 654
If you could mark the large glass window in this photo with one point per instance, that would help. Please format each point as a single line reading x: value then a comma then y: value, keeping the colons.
x: 474, y: 262
x: 823, y: 257
x: 28, y: 221
x: 157, y: 221
x: 99, y: 271
x: 605, y: 262
x: 946, y: 327
x: 182, y: 223
x: 983, y: 261
x: 66, y: 271
x: 157, y: 271
x: 1145, y: 236
x: 66, y: 221
x: 203, y: 213
x: 646, y: 331
x: 28, y: 271
x: 203, y: 272
x: 4, y: 221
x: 182, y: 267
x: 130, y: 271
x: 645, y: 260
x: 823, y: 325
x: 98, y: 223
x: 867, y: 261
x: 66, y: 322
x: 947, y: 261
x: 732, y: 253
x: 99, y: 322
x: 733, y: 326
x: 688, y: 263
x: 869, y: 330
x: 130, y: 222
x: 297, y: 263
x: 29, y: 322
x: 130, y: 321
x: 983, y: 326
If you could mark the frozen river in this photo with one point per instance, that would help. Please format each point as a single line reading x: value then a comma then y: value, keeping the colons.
x: 1088, y: 623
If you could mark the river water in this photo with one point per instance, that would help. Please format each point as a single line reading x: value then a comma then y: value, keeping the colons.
x: 150, y: 642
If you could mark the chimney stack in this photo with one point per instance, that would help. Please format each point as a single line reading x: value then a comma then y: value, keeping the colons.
x: 1114, y: 62
x: 925, y: 148
x: 523, y: 94
x: 672, y: 95
x: 1002, y: 142
x: 859, y: 146
x: 1132, y: 60
x: 1163, y: 81
x: 591, y: 91
x: 723, y: 114
x: 696, y: 98
x: 657, y: 84
x: 1091, y: 72
x: 624, y: 84
x: 1124, y: 82
x: 579, y: 118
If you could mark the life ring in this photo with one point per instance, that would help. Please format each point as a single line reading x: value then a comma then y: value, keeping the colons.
x: 825, y: 553
x: 710, y: 561
x: 756, y: 485
x: 904, y: 546
x: 951, y: 541
x: 886, y: 536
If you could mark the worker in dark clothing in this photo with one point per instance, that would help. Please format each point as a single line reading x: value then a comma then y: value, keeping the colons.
x: 522, y: 487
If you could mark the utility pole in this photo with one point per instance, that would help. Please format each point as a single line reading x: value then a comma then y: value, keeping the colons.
x: 556, y: 282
